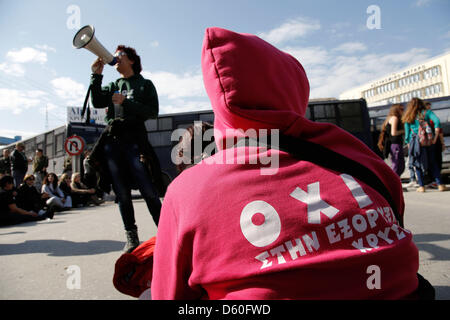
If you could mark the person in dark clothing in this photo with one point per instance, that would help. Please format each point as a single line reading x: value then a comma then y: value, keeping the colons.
x: 30, y: 199
x: 5, y: 163
x: 10, y: 213
x: 131, y: 100
x: 19, y: 164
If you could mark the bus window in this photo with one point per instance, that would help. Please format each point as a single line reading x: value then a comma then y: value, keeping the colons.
x: 165, y: 123
x: 351, y: 117
x: 208, y: 117
x: 151, y: 125
x: 325, y: 113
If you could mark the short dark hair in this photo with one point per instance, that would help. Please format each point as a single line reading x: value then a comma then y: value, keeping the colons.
x: 5, y: 180
x: 132, y: 55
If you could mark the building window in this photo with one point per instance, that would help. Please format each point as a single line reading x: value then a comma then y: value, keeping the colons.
x: 435, y: 71
x: 59, y: 143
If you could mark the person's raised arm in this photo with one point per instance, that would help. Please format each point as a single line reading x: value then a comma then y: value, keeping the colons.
x: 100, y: 96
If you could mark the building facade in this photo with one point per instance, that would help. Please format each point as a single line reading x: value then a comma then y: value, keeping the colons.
x: 430, y: 79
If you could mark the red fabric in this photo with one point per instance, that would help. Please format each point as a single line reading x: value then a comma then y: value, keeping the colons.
x: 227, y: 231
x: 133, y: 271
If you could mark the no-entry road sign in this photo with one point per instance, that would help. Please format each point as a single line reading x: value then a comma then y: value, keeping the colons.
x: 74, y: 145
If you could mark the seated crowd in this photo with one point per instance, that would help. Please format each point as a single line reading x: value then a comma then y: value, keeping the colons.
x: 27, y: 203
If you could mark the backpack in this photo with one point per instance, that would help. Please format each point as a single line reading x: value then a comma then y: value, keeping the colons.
x: 425, y: 133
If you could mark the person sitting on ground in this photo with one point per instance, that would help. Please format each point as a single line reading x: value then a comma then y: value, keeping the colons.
x: 10, y: 213
x: 82, y: 194
x: 64, y: 185
x: 57, y: 198
x: 30, y: 199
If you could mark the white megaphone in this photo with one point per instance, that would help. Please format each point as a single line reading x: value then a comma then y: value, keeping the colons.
x: 85, y: 38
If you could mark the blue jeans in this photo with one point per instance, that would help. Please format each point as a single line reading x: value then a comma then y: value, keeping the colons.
x: 123, y: 160
x: 433, y: 169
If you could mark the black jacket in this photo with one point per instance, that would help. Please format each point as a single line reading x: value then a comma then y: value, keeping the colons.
x: 133, y: 131
x: 19, y: 161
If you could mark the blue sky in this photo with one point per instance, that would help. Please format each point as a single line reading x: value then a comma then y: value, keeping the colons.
x: 39, y: 68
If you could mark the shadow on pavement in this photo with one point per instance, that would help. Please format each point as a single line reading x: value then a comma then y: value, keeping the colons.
x: 61, y: 248
x: 423, y: 243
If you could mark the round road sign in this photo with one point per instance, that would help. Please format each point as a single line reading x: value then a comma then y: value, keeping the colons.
x: 74, y: 145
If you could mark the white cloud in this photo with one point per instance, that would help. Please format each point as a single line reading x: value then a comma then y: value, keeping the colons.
x: 72, y: 92
x: 341, y: 73
x: 17, y: 101
x: 12, y: 133
x: 309, y: 55
x: 154, y: 44
x: 330, y: 72
x: 179, y: 92
x: 422, y: 3
x: 13, y: 69
x: 45, y: 47
x: 27, y: 54
x: 351, y: 47
x: 175, y: 86
x: 179, y: 106
x: 290, y: 30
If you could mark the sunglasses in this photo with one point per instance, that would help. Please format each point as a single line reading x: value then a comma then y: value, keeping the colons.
x: 120, y: 54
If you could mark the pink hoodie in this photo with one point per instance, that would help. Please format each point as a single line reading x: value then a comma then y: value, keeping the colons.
x: 229, y: 232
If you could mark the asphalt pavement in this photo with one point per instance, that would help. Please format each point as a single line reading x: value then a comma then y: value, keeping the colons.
x: 72, y: 257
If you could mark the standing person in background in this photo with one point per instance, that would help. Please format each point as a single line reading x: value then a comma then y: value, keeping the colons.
x: 19, y: 164
x: 439, y: 146
x: 40, y: 165
x: 130, y: 101
x: 5, y: 163
x: 394, y: 129
x: 425, y: 158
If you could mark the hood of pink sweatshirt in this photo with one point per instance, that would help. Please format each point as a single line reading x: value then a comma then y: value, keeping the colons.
x: 253, y: 85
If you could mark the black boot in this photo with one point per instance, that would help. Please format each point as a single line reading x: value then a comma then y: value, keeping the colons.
x: 132, y: 241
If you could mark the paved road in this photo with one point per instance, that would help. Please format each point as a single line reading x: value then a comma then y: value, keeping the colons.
x: 38, y: 259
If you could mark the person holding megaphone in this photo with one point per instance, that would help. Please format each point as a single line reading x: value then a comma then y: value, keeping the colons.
x: 123, y: 149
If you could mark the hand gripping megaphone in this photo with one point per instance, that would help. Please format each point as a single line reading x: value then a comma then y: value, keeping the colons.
x: 85, y: 38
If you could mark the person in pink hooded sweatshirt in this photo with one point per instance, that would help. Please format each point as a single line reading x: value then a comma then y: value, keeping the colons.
x: 230, y: 230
